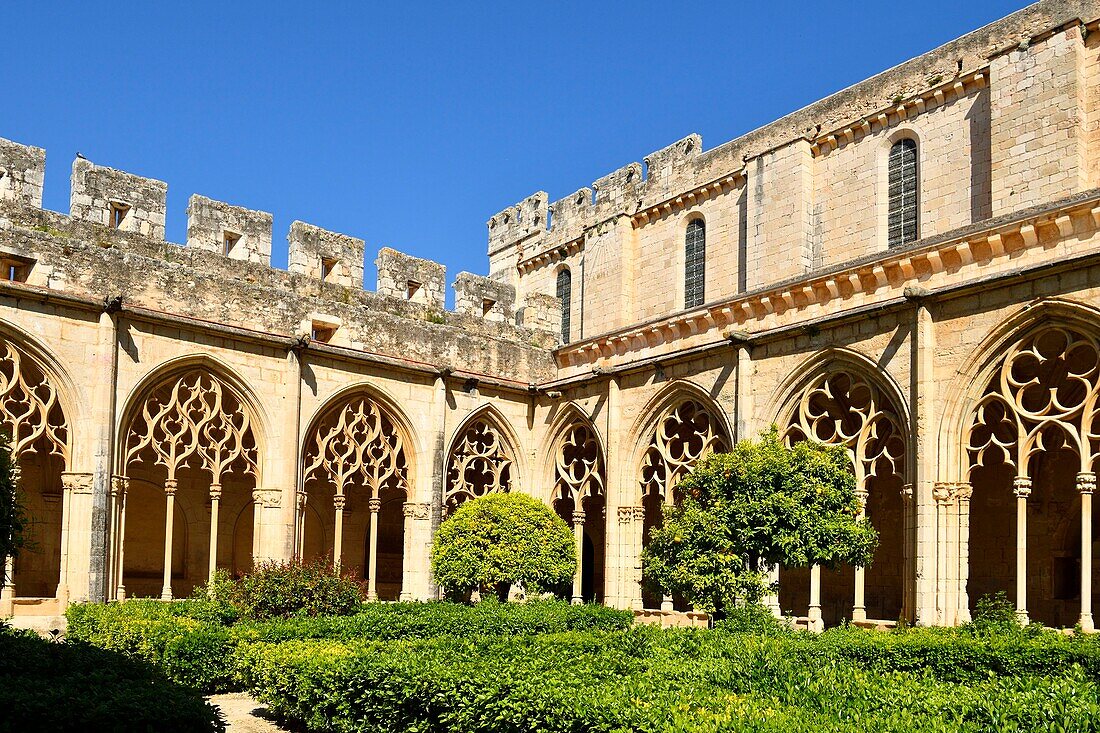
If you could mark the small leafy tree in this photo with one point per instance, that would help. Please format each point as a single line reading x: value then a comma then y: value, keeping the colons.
x: 760, y: 505
x: 496, y: 541
x: 282, y: 589
x: 12, y: 518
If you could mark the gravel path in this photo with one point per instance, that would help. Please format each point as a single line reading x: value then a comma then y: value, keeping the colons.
x: 244, y: 715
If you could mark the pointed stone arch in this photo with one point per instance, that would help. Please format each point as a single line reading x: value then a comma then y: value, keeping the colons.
x: 359, y: 452
x: 38, y: 413
x: 1025, y: 446
x: 483, y: 458
x: 578, y: 464
x: 191, y: 424
x: 841, y: 397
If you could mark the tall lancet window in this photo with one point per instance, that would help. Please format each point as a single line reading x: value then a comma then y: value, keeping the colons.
x: 565, y: 295
x: 695, y: 253
x: 902, y: 224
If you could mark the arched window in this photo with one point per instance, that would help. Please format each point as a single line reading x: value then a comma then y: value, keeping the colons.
x: 565, y: 295
x: 695, y: 251
x: 902, y: 193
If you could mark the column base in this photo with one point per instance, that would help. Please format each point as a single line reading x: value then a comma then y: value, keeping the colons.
x: 1086, y: 622
x: 859, y: 614
x: 7, y: 601
x: 1021, y: 617
x: 120, y: 593
x: 577, y: 601
x: 166, y: 593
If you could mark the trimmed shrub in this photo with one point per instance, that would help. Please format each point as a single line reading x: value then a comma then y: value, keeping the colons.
x: 497, y: 541
x: 282, y: 589
x: 644, y: 679
x: 75, y: 686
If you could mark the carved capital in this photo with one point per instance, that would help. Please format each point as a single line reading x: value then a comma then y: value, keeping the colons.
x: 119, y: 485
x: 908, y: 491
x: 963, y: 492
x: 578, y: 517
x: 626, y: 514
x: 1021, y: 486
x: 267, y: 498
x: 639, y: 513
x: 375, y: 505
x: 339, y: 502
x: 302, y: 498
x: 1086, y: 482
x: 77, y: 483
x: 943, y: 493
x: 170, y: 485
x: 414, y: 510
x: 215, y: 491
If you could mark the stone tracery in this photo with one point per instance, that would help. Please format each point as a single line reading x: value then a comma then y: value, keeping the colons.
x: 1042, y: 398
x: 579, y: 475
x: 480, y: 463
x: 840, y: 407
x: 684, y: 434
x: 356, y: 444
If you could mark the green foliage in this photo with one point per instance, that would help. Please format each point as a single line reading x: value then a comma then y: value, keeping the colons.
x: 496, y: 541
x: 760, y: 505
x: 74, y: 686
x: 281, y: 589
x: 193, y: 641
x: 12, y: 516
x: 644, y: 679
x: 994, y: 614
x: 753, y: 618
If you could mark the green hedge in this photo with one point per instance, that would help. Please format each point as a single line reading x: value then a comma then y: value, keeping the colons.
x: 647, y: 680
x: 193, y: 642
x: 75, y: 686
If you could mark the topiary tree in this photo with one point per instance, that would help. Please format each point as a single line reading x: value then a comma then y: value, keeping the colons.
x: 760, y: 505
x: 500, y: 540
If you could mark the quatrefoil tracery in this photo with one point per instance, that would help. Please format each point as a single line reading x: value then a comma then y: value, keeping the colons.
x: 479, y: 464
x: 29, y: 408
x: 841, y: 408
x: 197, y: 422
x: 685, y: 433
x: 357, y: 444
x: 578, y: 465
x: 1042, y: 397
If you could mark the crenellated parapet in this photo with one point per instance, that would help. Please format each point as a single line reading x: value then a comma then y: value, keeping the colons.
x: 232, y: 231
x: 411, y: 278
x: 117, y: 199
x: 327, y: 256
x: 484, y: 297
x: 22, y: 173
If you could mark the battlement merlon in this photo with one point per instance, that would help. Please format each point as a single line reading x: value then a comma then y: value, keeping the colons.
x: 483, y: 297
x: 670, y: 169
x: 518, y: 222
x: 328, y: 256
x: 117, y: 199
x: 232, y: 231
x: 541, y: 312
x: 22, y: 173
x: 411, y: 278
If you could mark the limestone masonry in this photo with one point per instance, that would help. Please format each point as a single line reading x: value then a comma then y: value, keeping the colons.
x: 909, y: 267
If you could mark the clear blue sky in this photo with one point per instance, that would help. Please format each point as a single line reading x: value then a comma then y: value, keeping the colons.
x: 409, y: 125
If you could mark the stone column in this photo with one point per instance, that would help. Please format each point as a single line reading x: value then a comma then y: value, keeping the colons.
x: 941, y: 494
x: 375, y: 505
x: 963, y: 492
x: 813, y: 615
x: 1022, y: 489
x: 62, y: 592
x: 578, y: 540
x: 638, y: 526
x: 215, y: 500
x: 338, y: 502
x: 909, y: 541
x: 300, y: 525
x: 859, y: 604
x: 1086, y: 484
x: 123, y: 485
x: 772, y: 599
x: 416, y: 565
x: 666, y: 601
x: 169, y: 517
